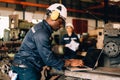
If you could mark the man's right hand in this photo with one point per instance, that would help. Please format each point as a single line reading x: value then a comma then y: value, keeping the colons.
x: 74, y: 62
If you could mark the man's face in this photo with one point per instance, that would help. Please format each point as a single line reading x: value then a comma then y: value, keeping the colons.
x: 57, y: 24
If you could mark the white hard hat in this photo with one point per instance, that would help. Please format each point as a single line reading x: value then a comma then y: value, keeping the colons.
x: 69, y: 24
x: 60, y: 8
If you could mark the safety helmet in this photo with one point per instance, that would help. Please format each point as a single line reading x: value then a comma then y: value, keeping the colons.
x: 70, y: 24
x: 60, y: 8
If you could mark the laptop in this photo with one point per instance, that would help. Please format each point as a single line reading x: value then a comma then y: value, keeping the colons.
x: 91, y: 61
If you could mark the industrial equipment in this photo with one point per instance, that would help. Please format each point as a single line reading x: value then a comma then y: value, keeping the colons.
x: 112, y: 44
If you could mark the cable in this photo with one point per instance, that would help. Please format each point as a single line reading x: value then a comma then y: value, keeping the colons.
x: 98, y: 58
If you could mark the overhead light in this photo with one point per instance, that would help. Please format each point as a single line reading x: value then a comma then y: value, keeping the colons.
x: 115, y: 0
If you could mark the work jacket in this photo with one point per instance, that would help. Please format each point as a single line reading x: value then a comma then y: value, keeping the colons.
x: 66, y: 39
x: 35, y: 50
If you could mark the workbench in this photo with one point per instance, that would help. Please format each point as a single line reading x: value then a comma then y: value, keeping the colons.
x: 101, y: 73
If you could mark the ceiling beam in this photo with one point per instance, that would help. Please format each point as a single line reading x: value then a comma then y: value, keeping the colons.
x: 97, y: 7
x: 41, y: 5
x: 25, y: 3
x: 45, y: 6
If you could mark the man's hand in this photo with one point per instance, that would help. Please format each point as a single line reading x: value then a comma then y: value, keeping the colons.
x: 74, y: 62
x: 58, y: 49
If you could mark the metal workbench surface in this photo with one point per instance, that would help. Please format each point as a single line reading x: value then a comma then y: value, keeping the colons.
x: 101, y: 73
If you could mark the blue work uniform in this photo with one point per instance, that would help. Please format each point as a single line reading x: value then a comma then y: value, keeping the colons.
x: 35, y: 52
x: 66, y: 39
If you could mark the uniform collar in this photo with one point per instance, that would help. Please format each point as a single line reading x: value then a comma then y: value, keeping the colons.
x: 47, y: 26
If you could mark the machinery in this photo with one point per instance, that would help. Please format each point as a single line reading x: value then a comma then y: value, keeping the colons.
x: 112, y: 45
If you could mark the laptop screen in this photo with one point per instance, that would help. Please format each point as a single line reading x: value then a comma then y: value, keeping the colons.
x: 93, y: 58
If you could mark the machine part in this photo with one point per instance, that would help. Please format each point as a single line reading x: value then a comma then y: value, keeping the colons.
x: 112, y: 30
x: 111, y: 49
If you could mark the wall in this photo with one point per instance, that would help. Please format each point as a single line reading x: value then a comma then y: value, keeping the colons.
x: 40, y: 15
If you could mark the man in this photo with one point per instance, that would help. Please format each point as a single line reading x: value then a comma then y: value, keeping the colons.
x: 35, y: 51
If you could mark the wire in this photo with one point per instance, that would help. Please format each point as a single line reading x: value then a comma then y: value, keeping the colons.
x: 98, y: 58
